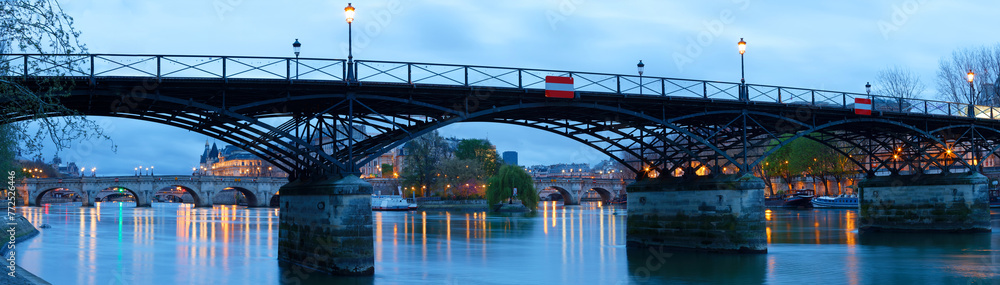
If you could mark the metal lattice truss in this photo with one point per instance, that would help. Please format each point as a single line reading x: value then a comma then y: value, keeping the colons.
x: 302, y: 115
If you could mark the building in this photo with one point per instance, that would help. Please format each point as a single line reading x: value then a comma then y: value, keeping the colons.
x: 510, y: 157
x: 233, y: 161
x: 387, y: 165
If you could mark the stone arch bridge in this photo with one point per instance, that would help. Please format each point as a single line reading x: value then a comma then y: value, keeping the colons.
x: 574, y: 189
x: 257, y: 190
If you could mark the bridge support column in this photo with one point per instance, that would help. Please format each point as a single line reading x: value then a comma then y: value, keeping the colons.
x: 722, y: 214
x: 326, y: 226
x: 925, y: 203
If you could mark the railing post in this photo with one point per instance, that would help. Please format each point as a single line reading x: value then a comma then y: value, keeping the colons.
x: 520, y: 82
x: 780, y: 100
x: 466, y: 76
x: 663, y: 87
x: 224, y: 78
x: 972, y: 111
x: 409, y: 73
x: 845, y: 100
x: 25, y: 66
x: 900, y: 102
x: 813, y: 92
x: 158, y: 78
x: 618, y: 80
x: 704, y: 89
x: 288, y: 69
x: 92, y: 70
x: 926, y: 111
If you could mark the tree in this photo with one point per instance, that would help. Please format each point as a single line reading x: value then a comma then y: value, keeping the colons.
x: 952, y: 83
x: 422, y: 157
x: 778, y: 165
x: 388, y: 171
x: 500, y: 187
x: 481, y: 151
x: 804, y: 156
x: 39, y: 27
x: 898, y: 82
x: 460, y: 178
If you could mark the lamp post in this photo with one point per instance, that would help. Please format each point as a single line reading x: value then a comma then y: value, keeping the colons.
x: 641, y: 67
x: 296, y: 47
x: 868, y: 88
x: 972, y: 89
x: 349, y: 14
x: 743, y: 49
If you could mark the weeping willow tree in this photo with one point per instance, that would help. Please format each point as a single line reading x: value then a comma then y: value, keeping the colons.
x: 30, y: 110
x: 501, y: 187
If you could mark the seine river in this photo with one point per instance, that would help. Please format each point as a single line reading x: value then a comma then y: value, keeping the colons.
x: 115, y: 243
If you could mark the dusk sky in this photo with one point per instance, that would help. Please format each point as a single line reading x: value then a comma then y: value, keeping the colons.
x: 833, y: 45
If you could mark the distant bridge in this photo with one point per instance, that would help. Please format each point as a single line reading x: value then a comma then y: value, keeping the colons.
x: 257, y: 190
x: 574, y: 189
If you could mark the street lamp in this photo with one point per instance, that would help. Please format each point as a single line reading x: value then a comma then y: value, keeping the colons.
x: 296, y: 47
x: 349, y: 14
x: 972, y: 89
x: 868, y: 88
x: 641, y: 67
x: 151, y: 170
x: 743, y: 49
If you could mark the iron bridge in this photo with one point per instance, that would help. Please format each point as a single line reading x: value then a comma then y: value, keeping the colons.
x: 303, y: 116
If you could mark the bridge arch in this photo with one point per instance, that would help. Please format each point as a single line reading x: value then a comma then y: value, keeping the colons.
x: 197, y: 198
x: 248, y: 194
x: 124, y: 191
x: 568, y: 197
x: 41, y: 194
x: 606, y: 195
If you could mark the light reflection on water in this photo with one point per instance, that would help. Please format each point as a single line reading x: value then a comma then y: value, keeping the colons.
x: 114, y: 243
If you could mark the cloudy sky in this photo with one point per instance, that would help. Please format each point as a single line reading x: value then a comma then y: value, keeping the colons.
x: 835, y: 45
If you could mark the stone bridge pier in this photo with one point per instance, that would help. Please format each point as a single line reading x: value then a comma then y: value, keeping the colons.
x: 956, y: 202
x: 724, y: 213
x: 326, y: 226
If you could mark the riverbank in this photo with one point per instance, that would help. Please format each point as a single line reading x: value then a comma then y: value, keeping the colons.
x: 453, y: 205
x: 21, y: 231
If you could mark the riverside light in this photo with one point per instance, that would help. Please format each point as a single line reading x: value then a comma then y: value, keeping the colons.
x: 349, y: 13
x: 296, y: 47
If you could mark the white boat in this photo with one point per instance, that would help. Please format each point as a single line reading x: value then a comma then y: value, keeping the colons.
x: 842, y: 201
x: 389, y: 203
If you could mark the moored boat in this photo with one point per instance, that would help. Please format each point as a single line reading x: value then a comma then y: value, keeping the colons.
x: 801, y: 199
x: 389, y: 203
x: 842, y: 201
x: 622, y: 199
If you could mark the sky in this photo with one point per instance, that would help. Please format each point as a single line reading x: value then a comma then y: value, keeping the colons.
x: 832, y: 45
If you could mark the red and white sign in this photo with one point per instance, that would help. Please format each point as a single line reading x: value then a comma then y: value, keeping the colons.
x: 863, y: 106
x: 559, y: 87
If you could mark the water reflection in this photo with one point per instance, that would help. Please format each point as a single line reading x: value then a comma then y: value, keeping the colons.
x: 178, y: 244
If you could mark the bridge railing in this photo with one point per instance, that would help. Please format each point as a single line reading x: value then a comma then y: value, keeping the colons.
x: 173, y: 66
x: 413, y: 73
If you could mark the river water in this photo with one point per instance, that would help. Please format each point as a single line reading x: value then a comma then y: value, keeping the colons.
x: 116, y: 243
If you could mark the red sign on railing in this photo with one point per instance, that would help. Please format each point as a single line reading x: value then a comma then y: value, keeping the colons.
x: 559, y: 87
x: 863, y: 106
